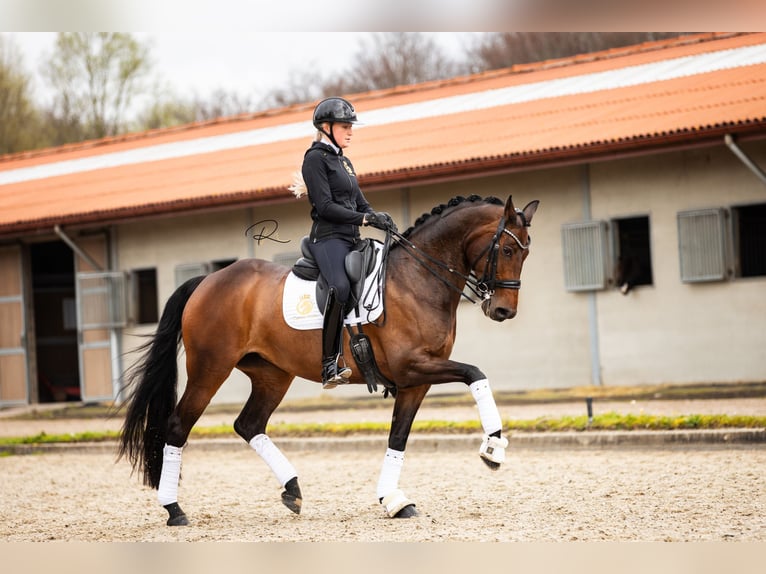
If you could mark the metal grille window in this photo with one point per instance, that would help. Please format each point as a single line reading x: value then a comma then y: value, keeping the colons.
x: 702, y: 245
x: 101, y: 300
x: 585, y: 247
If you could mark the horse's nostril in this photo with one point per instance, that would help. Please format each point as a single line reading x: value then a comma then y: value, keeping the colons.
x: 502, y: 313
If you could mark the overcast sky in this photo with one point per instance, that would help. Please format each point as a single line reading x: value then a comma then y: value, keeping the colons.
x: 190, y: 63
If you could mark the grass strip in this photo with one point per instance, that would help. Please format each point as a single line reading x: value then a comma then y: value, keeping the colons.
x: 605, y: 422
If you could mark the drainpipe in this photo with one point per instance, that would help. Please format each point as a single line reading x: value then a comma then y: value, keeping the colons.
x: 729, y: 139
x: 76, y: 248
x: 595, y: 353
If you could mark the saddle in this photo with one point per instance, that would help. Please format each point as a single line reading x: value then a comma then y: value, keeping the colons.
x: 359, y: 263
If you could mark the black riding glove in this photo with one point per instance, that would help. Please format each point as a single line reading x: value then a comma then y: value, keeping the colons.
x: 380, y: 220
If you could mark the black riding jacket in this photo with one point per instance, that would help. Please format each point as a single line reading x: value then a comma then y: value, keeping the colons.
x: 337, y: 202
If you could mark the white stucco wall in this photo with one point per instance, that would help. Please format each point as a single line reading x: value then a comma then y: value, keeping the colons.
x: 669, y: 332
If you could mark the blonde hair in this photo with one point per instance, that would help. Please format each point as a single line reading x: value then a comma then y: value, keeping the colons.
x: 298, y: 187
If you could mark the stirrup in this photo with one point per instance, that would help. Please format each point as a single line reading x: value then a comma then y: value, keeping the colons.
x: 333, y: 375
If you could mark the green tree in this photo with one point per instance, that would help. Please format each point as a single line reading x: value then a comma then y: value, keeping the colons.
x: 19, y: 118
x: 95, y: 76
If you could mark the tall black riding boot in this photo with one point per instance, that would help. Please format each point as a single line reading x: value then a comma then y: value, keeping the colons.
x: 332, y: 334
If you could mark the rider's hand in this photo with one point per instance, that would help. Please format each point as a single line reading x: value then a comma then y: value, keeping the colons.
x: 379, y: 220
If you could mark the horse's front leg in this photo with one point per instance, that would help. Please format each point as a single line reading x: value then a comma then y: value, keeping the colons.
x: 406, y: 406
x: 438, y: 371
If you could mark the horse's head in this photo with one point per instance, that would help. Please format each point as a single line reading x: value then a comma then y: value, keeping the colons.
x: 502, y: 246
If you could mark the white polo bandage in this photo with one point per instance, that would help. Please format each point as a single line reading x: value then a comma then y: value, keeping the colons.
x: 167, y: 491
x: 274, y: 458
x: 389, y: 473
x: 488, y: 413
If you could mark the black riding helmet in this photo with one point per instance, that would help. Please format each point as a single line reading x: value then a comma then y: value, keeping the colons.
x: 331, y: 110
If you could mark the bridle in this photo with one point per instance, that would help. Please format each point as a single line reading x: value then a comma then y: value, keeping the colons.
x: 486, y: 285
x: 483, y: 287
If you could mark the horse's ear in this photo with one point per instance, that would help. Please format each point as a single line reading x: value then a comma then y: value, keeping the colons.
x: 523, y: 218
x: 510, y: 210
x: 530, y: 210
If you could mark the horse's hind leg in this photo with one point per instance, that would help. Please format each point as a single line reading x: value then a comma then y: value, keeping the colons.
x: 199, y: 390
x: 269, y: 385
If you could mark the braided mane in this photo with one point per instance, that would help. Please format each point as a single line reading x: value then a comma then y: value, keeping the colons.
x: 439, y: 209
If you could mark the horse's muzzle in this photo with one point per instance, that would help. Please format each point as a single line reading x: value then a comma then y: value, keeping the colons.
x: 497, y: 313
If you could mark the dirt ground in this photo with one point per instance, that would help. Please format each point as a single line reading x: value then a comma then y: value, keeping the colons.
x: 539, y: 495
x: 703, y: 493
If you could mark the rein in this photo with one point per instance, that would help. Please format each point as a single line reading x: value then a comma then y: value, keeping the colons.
x: 482, y: 287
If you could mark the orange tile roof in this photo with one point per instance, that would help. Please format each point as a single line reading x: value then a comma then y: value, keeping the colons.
x: 641, y: 98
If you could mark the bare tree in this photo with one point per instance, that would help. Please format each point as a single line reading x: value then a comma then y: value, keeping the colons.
x: 386, y: 60
x: 383, y: 60
x: 505, y: 49
x: 95, y: 76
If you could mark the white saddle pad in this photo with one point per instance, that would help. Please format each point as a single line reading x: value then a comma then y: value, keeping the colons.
x: 300, y: 309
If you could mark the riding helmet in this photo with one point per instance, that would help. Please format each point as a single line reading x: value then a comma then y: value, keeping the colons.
x: 334, y: 110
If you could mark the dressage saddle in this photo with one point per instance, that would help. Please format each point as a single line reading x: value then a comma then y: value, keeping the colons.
x: 360, y: 262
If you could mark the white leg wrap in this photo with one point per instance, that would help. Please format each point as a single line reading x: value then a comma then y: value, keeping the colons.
x: 167, y: 492
x: 488, y: 413
x: 389, y: 473
x: 493, y: 449
x: 274, y: 458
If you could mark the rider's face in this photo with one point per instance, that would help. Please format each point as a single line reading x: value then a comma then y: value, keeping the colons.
x: 342, y: 132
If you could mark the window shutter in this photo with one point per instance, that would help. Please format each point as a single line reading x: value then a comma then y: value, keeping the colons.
x: 585, y: 247
x: 701, y: 245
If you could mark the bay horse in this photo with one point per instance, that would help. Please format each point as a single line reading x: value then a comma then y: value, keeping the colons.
x: 232, y: 318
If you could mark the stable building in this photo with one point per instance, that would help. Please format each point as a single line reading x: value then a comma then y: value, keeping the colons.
x: 648, y: 262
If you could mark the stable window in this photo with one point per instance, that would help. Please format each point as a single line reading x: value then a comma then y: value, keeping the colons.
x: 145, y: 296
x: 750, y: 239
x: 702, y: 245
x: 633, y: 265
x: 585, y: 246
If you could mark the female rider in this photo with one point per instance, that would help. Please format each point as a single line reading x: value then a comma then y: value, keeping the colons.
x: 338, y: 208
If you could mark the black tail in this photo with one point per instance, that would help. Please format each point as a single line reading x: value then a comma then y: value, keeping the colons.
x: 153, y: 381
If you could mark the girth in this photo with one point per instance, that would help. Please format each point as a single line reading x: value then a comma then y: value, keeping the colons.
x: 359, y: 263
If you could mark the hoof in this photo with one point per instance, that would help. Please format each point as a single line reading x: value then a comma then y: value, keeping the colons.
x: 408, y: 511
x: 398, y: 506
x: 291, y: 496
x: 177, y: 516
x: 492, y: 451
x: 491, y: 463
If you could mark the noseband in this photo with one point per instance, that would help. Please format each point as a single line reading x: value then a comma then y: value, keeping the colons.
x: 486, y: 285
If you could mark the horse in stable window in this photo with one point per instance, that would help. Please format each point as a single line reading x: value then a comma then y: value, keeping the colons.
x: 233, y: 318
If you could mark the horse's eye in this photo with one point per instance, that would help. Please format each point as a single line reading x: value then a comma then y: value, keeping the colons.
x: 507, y: 250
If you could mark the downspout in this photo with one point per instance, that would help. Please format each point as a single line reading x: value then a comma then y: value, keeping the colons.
x: 595, y: 354
x: 743, y: 157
